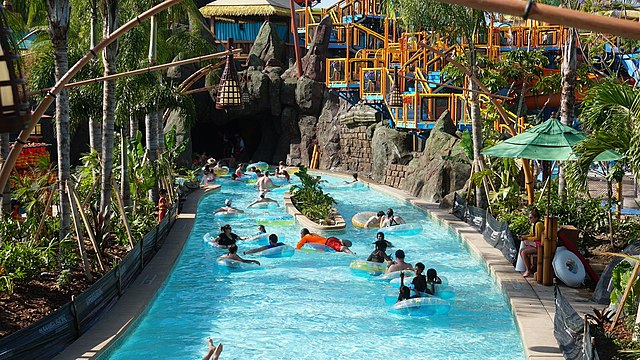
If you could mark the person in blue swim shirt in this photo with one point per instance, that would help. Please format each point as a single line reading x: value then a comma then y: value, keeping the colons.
x: 273, y: 242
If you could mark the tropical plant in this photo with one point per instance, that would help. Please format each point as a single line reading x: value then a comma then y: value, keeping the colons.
x: 310, y: 199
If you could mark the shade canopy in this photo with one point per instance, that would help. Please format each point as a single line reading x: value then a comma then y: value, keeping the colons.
x: 551, y: 140
x: 234, y: 8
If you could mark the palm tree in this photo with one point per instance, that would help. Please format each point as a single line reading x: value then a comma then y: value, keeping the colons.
x: 110, y: 12
x: 95, y: 129
x: 459, y: 25
x: 58, y: 15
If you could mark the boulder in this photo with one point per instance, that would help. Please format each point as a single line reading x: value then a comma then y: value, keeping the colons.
x: 360, y: 115
x: 275, y: 83
x: 309, y: 95
x: 328, y: 132
x: 287, y: 130
x: 314, y: 62
x: 307, y: 126
x: 388, y: 146
x: 440, y: 169
x: 288, y: 92
x: 268, y: 45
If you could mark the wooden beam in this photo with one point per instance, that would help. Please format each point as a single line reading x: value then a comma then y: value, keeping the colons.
x: 81, y: 248
x: 83, y: 216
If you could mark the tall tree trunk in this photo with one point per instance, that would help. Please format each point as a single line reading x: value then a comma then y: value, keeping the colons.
x: 133, y: 127
x: 151, y: 140
x: 476, y: 128
x: 160, y: 133
x: 125, y: 187
x: 58, y: 14
x: 109, y: 55
x: 6, y: 193
x: 95, y: 134
x: 568, y: 101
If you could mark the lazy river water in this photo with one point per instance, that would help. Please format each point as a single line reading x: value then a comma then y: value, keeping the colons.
x: 310, y: 306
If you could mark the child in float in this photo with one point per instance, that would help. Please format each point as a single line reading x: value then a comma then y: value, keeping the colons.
x: 238, y: 172
x: 273, y: 242
x: 405, y: 292
x: 379, y: 255
x: 375, y: 220
x: 391, y: 220
x: 163, y: 204
x: 332, y: 242
x: 399, y: 264
x: 531, y: 240
x: 208, y: 178
x: 280, y: 168
x: 425, y: 284
x: 228, y: 208
x: 233, y: 255
x: 261, y: 232
x: 226, y: 237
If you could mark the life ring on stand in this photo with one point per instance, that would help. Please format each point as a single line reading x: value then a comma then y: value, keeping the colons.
x: 361, y: 218
x: 568, y: 267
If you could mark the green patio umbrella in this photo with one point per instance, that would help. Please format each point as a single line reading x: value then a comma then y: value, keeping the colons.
x: 551, y: 140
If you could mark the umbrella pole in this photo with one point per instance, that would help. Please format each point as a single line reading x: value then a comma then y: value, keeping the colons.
x: 528, y: 180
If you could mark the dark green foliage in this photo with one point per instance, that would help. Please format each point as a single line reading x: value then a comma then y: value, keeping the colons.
x: 310, y: 199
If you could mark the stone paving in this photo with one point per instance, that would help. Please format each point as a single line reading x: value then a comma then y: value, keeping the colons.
x: 532, y: 304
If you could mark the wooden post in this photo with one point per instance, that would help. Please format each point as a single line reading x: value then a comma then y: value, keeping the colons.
x: 627, y: 290
x: 123, y: 214
x: 550, y: 239
x: 73, y: 194
x: 44, y: 215
x: 83, y: 251
x: 539, y: 264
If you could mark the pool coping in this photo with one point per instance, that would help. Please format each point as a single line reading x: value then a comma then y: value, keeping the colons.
x: 532, y: 304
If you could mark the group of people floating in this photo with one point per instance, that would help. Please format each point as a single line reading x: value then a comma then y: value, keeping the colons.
x: 421, y: 284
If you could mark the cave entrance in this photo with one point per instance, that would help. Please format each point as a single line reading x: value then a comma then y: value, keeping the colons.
x: 238, y: 138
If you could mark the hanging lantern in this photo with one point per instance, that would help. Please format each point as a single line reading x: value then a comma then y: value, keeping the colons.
x: 229, y: 92
x: 14, y: 108
x: 395, y: 98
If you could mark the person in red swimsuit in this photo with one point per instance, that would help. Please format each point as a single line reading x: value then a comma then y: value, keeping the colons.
x: 163, y: 204
x: 332, y: 242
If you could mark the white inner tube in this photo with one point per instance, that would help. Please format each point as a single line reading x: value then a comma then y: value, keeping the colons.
x: 568, y: 267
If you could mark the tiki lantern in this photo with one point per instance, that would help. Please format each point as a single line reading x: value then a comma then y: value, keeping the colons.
x: 14, y: 108
x: 245, y: 90
x: 395, y: 98
x: 229, y: 91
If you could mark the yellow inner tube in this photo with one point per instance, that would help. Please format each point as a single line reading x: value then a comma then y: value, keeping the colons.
x: 292, y: 170
x: 361, y: 218
x: 370, y: 266
x: 221, y: 171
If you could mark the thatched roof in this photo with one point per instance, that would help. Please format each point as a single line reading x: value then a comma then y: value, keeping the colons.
x: 247, y: 8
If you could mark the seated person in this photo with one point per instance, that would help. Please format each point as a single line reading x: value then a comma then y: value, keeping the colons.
x: 425, y: 284
x: 332, y: 242
x: 226, y: 237
x: 228, y: 208
x: 263, y: 199
x: 379, y: 255
x: 233, y: 255
x: 355, y: 179
x: 375, y: 220
x: 391, y: 220
x: 273, y: 242
x: 399, y: 264
x: 532, y: 240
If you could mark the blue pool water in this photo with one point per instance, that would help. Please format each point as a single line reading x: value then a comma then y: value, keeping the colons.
x: 310, y: 306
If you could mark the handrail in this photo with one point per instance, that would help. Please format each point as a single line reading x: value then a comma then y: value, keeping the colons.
x: 368, y: 31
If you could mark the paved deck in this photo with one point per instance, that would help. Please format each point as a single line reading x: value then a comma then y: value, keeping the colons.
x: 532, y: 304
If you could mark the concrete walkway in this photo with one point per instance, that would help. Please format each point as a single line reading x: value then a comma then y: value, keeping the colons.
x: 532, y: 304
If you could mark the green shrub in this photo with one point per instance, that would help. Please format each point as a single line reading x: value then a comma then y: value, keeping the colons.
x: 24, y: 261
x: 310, y: 199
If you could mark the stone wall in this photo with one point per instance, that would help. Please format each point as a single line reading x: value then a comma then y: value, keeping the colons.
x: 356, y: 149
x: 395, y: 175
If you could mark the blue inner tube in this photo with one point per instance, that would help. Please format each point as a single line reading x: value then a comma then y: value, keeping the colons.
x: 410, y: 229
x: 278, y: 252
x: 236, y: 266
x: 422, y: 306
